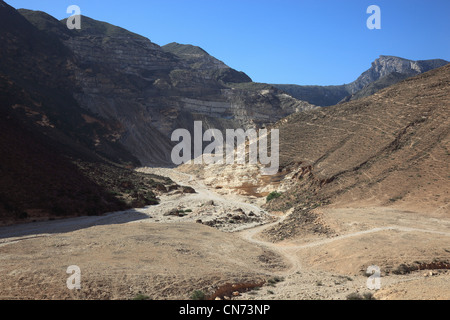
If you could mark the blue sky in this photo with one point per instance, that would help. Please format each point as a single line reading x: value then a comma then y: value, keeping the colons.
x: 322, y: 42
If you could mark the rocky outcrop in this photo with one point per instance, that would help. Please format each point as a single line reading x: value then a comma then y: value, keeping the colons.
x: 385, y: 71
x: 386, y: 65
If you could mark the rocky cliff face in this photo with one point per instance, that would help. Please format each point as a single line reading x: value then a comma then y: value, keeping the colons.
x: 386, y: 65
x: 151, y: 91
x: 57, y: 158
x: 388, y: 69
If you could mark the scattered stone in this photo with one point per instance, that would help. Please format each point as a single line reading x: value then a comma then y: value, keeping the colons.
x: 173, y: 212
x: 188, y: 190
x: 217, y: 298
x: 236, y: 293
x: 226, y: 298
x: 210, y: 203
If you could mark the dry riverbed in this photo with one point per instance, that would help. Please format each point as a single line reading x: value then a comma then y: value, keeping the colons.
x: 218, y: 244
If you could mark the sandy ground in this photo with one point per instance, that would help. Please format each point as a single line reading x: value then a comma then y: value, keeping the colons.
x: 164, y: 256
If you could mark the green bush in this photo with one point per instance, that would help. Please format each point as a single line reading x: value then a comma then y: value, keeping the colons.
x: 141, y: 296
x: 273, y: 195
x: 198, y: 295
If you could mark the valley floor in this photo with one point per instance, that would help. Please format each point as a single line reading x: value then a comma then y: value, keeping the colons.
x: 218, y: 243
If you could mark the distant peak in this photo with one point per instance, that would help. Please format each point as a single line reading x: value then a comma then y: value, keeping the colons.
x: 392, y: 58
x: 382, y: 56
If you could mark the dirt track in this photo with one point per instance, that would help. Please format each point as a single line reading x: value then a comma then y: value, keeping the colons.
x: 165, y: 257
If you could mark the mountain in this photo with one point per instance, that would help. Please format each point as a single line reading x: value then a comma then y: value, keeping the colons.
x: 58, y: 159
x: 81, y: 108
x: 151, y: 91
x: 375, y: 86
x: 385, y: 71
x: 389, y: 149
x: 95, y: 103
x: 318, y: 95
x: 199, y: 59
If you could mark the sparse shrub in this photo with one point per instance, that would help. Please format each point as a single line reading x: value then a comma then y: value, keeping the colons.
x: 273, y: 195
x: 273, y: 281
x: 395, y: 198
x: 198, y: 295
x: 357, y: 296
x: 402, y: 269
x: 141, y: 296
x: 354, y: 296
x: 368, y: 296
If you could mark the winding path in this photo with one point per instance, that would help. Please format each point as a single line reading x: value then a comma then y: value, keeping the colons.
x: 290, y: 252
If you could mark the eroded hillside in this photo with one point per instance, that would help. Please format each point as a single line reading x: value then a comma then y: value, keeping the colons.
x: 388, y: 149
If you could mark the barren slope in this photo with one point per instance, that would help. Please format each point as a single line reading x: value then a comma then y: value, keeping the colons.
x: 161, y: 261
x: 364, y: 183
x: 388, y: 149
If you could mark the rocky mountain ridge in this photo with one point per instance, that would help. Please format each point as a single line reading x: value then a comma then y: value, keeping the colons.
x: 151, y: 91
x: 386, y: 71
